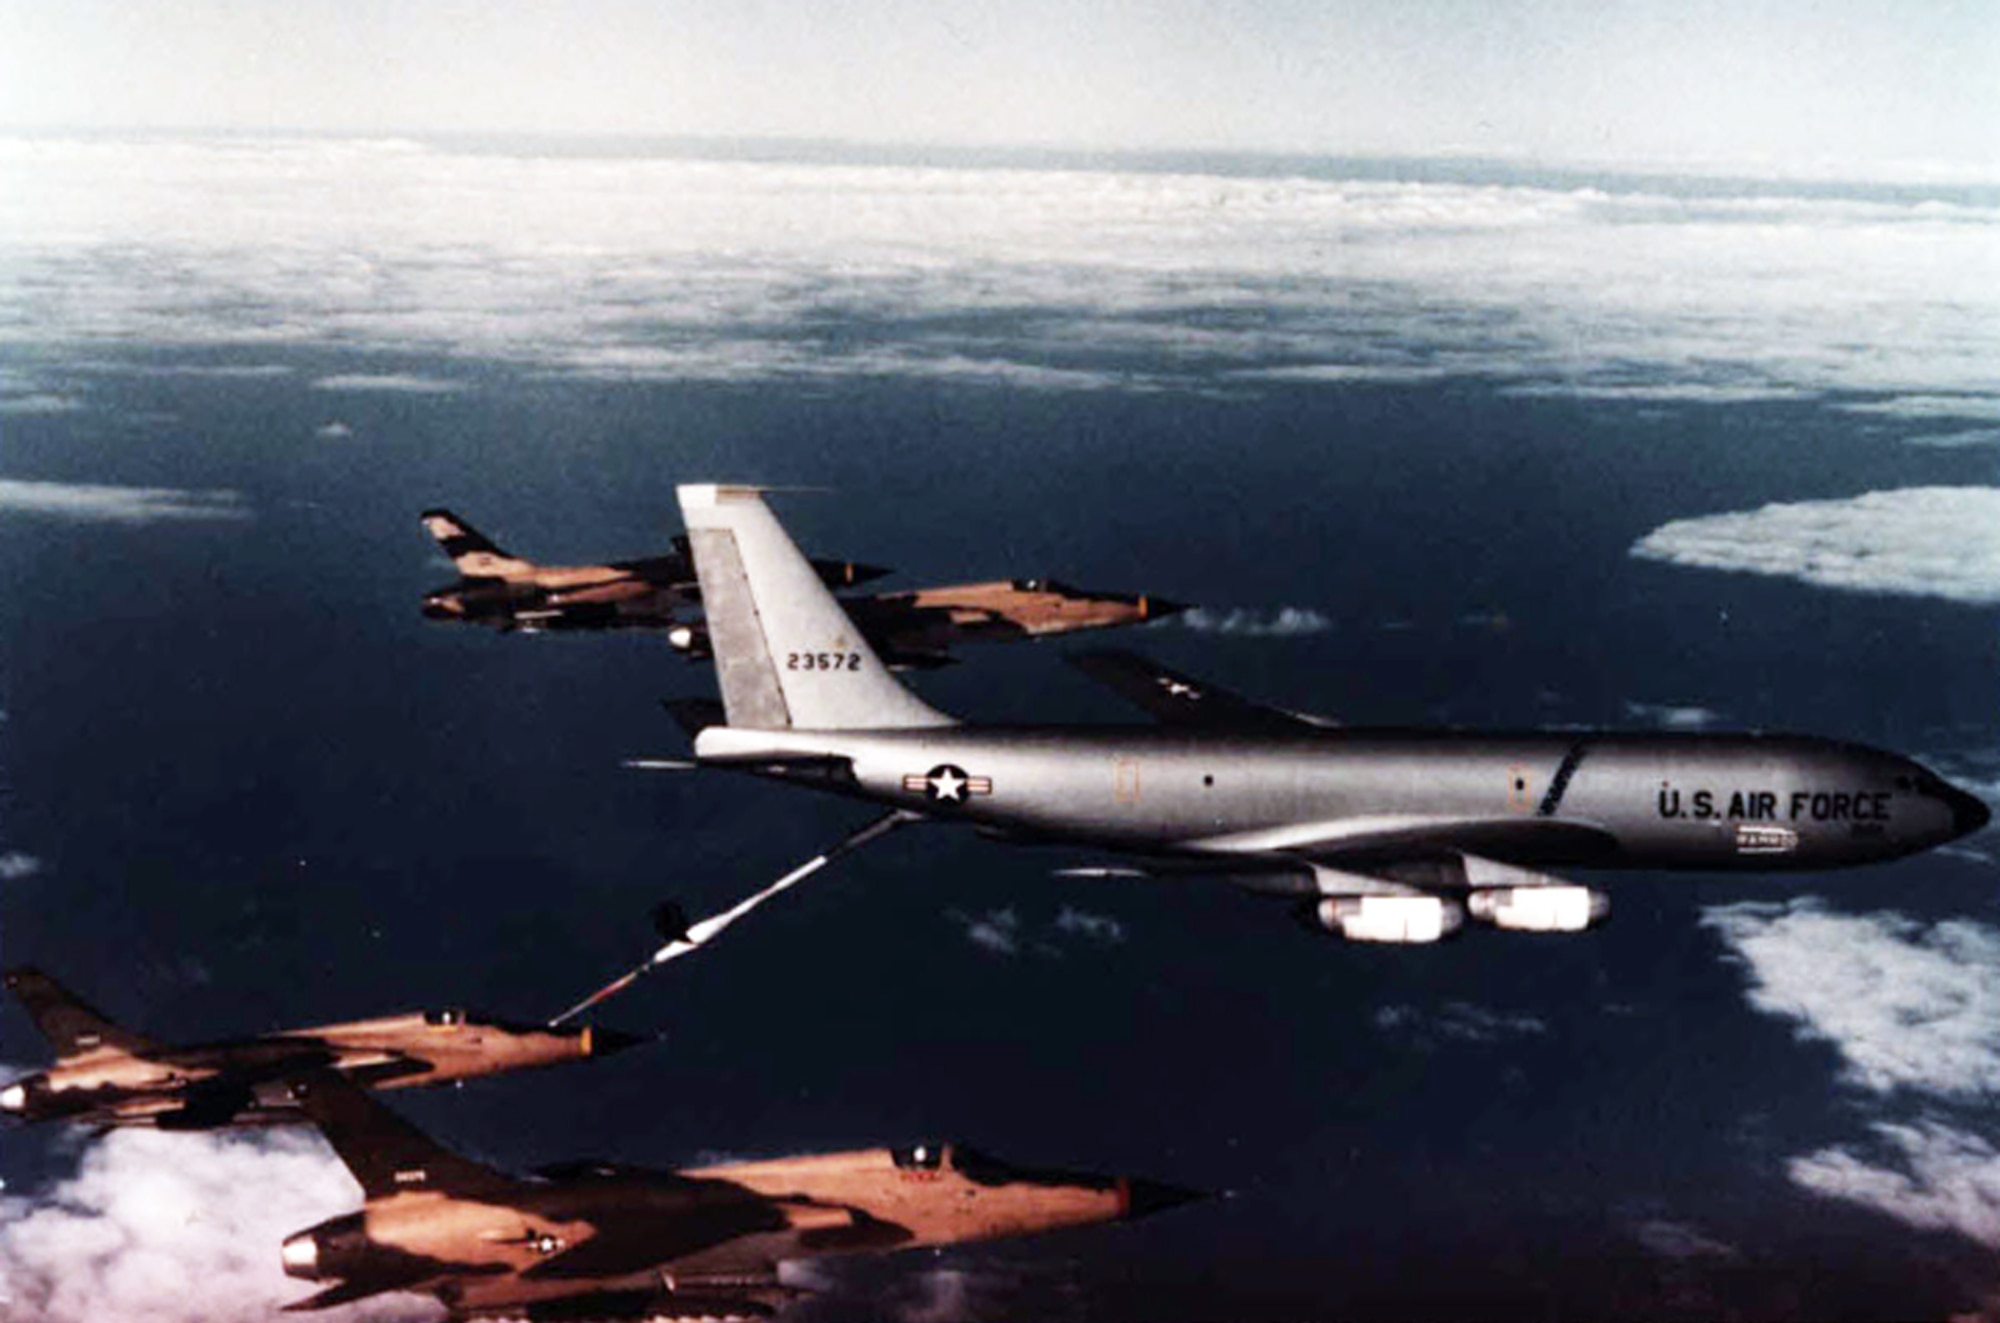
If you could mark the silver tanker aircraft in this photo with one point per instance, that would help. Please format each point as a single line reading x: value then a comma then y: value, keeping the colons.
x: 1388, y: 835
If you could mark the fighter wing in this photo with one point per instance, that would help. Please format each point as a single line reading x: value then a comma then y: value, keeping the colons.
x: 70, y: 1024
x: 387, y: 1154
x: 1180, y: 700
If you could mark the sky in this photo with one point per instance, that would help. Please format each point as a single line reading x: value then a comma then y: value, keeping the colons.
x: 1846, y: 87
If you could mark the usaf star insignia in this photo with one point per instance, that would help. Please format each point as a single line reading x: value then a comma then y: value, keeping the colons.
x: 947, y: 784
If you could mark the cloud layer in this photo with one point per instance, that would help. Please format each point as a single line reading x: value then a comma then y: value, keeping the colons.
x: 1003, y: 932
x: 91, y: 503
x: 1284, y: 622
x: 1919, y: 541
x: 176, y: 1228
x: 1038, y: 278
x: 1913, y: 1011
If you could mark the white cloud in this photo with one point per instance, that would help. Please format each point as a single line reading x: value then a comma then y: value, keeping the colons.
x: 1457, y: 1020
x: 1985, y: 408
x: 998, y: 931
x: 1908, y: 1005
x: 1962, y: 440
x: 1284, y: 622
x: 1672, y: 716
x: 15, y: 865
x: 1913, y: 1010
x: 1398, y: 373
x: 1050, y: 279
x: 1665, y: 392
x: 86, y: 502
x: 1679, y: 1240
x: 1929, y: 1175
x: 38, y: 403
x: 1917, y: 541
x: 1003, y: 931
x: 394, y: 383
x: 1102, y: 928
x: 176, y: 1228
x: 333, y: 430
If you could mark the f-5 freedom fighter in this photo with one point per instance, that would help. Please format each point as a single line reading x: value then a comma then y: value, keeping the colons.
x: 596, y: 1241
x: 110, y: 1076
x: 1387, y: 835
x: 908, y: 630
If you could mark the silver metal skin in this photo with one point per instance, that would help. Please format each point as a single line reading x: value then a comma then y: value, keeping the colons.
x: 1665, y: 801
x: 1401, y: 834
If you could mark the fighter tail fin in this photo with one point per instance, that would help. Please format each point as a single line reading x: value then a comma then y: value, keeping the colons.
x: 475, y: 554
x: 786, y: 654
x: 70, y: 1024
x: 387, y: 1154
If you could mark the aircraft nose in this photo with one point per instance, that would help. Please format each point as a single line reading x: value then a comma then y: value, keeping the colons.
x: 1142, y: 1198
x: 442, y: 608
x: 1969, y: 813
x: 1159, y: 608
x: 603, y: 1042
x: 14, y: 1098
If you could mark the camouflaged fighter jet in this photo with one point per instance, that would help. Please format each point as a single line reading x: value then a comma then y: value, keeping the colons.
x: 109, y: 1076
x: 1387, y: 835
x: 587, y: 1240
x: 913, y: 630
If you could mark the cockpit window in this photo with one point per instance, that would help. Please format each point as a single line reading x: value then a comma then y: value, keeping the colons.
x: 450, y: 1019
x: 918, y: 1157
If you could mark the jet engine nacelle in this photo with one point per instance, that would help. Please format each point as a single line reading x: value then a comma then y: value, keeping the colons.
x: 691, y: 642
x: 1561, y: 908
x: 1404, y: 919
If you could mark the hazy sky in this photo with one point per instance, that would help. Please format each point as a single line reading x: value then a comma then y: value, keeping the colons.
x: 1811, y: 86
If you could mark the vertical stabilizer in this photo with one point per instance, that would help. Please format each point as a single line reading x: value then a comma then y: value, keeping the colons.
x: 72, y: 1026
x: 476, y: 555
x: 786, y: 654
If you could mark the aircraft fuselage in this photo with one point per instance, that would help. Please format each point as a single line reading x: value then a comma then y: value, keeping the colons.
x: 1640, y: 800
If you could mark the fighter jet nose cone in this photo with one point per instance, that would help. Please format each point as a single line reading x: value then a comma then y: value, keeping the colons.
x: 603, y: 1042
x: 1145, y: 1198
x: 1159, y: 608
x: 438, y: 608
x: 1969, y: 813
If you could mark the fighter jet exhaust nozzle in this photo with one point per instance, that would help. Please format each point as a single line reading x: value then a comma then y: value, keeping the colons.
x: 1405, y: 920
x: 14, y: 1098
x: 300, y: 1254
x: 690, y: 642
x: 1539, y: 909
x: 336, y: 1248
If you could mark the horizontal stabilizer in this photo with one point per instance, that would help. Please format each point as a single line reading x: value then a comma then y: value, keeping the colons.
x: 1175, y: 699
x: 346, y: 1293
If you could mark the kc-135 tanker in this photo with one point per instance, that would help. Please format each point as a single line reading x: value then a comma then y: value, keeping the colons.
x: 1385, y: 835
x: 106, y: 1075
x: 596, y: 1241
x: 909, y: 630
